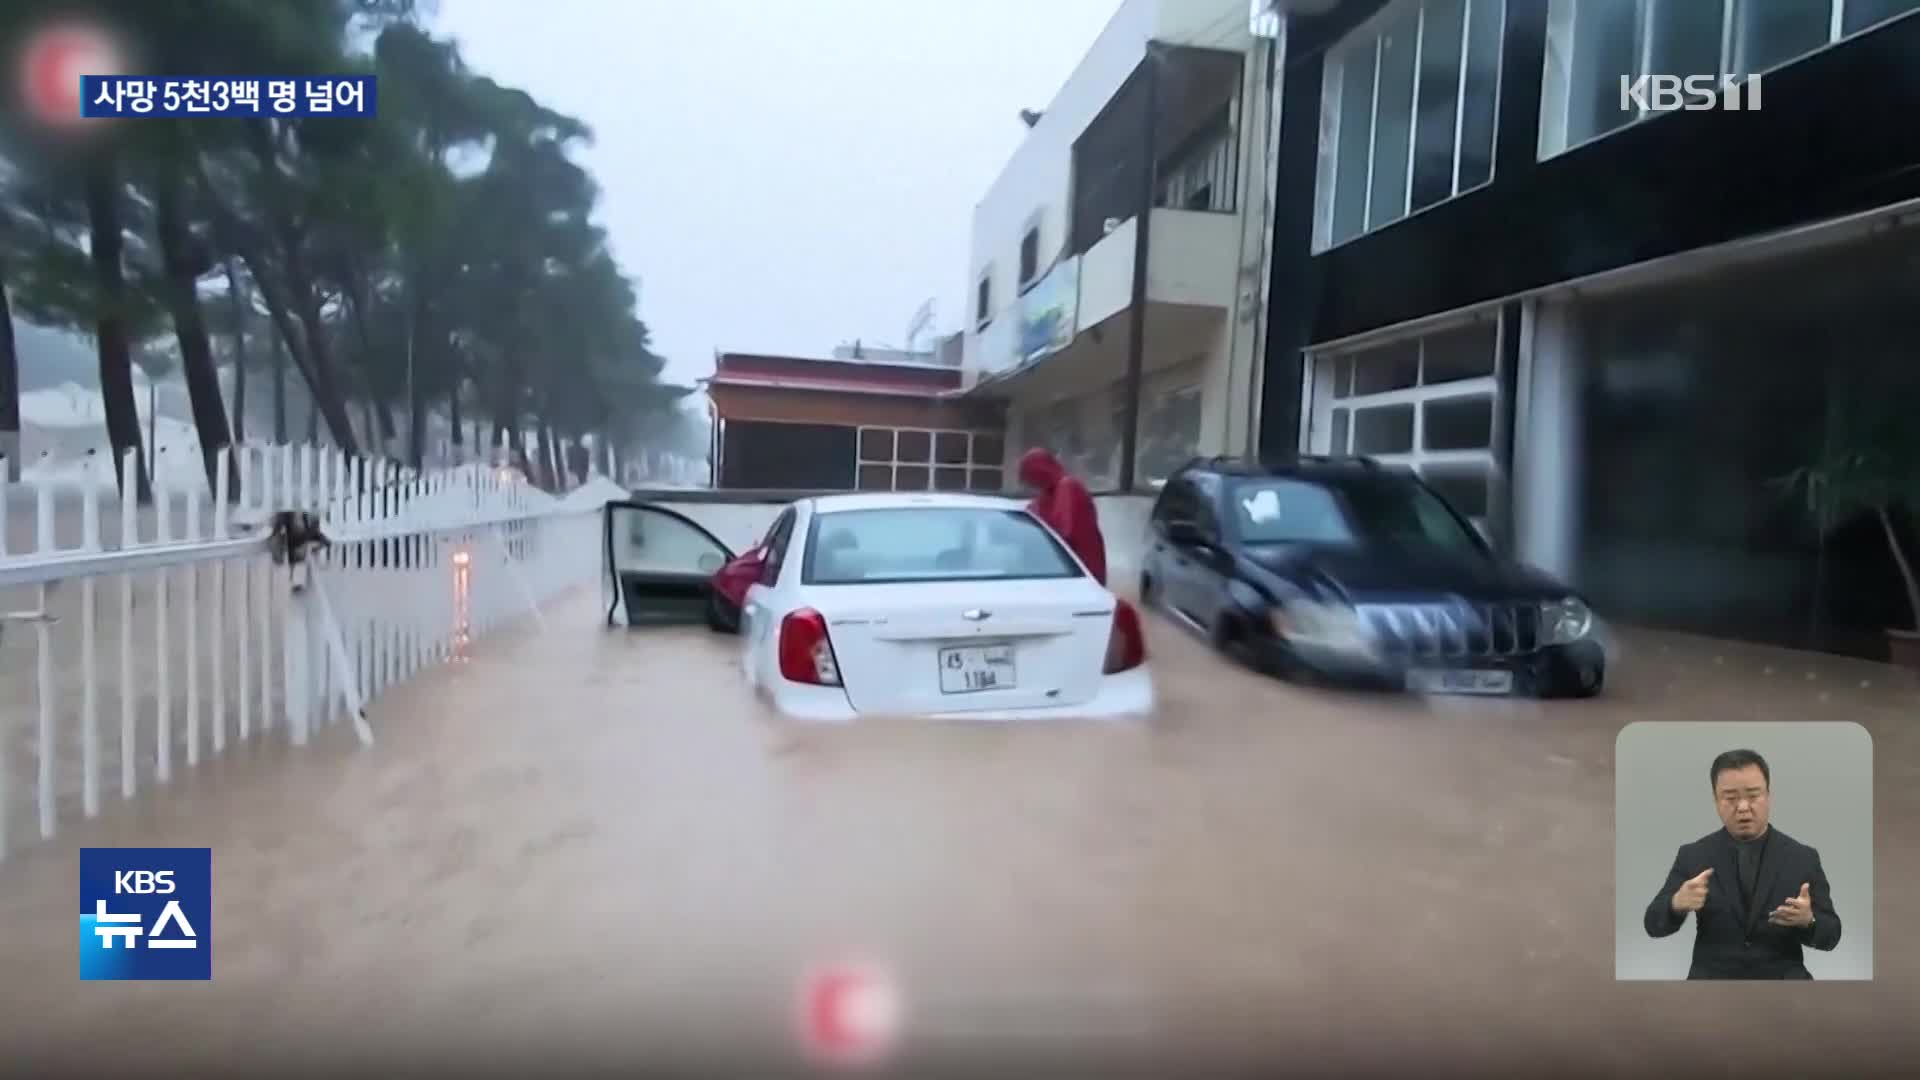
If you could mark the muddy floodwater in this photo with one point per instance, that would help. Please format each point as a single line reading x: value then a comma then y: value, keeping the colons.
x: 588, y: 846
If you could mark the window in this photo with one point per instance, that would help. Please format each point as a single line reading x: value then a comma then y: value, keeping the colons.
x: 1593, y: 44
x: 1428, y: 402
x: 649, y: 540
x: 1407, y: 516
x: 1206, y: 499
x: 1768, y: 34
x: 1393, y: 118
x: 1176, y: 501
x: 1465, y: 488
x: 852, y: 547
x: 1029, y: 257
x: 1203, y: 175
x: 1439, y: 96
x: 919, y: 459
x: 1169, y: 431
x: 1408, y: 111
x: 1858, y: 15
x: 776, y: 547
x: 1287, y: 512
x: 983, y: 301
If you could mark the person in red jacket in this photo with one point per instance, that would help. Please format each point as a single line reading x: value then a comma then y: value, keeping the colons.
x: 1063, y: 503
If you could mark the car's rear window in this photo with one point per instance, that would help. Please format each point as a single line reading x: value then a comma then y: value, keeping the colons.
x: 931, y: 543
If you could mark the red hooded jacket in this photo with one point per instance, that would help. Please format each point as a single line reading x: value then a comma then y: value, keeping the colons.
x: 1063, y: 503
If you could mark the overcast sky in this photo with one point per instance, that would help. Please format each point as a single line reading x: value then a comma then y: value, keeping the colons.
x: 786, y: 175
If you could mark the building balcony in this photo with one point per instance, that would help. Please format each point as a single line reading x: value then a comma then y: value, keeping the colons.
x: 1189, y: 263
x: 1074, y: 323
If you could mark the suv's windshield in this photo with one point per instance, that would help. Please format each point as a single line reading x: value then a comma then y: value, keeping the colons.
x: 1286, y: 511
x: 850, y: 547
x: 1409, y: 516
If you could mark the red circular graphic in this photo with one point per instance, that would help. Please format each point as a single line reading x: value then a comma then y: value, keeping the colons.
x: 850, y: 1016
x: 52, y: 62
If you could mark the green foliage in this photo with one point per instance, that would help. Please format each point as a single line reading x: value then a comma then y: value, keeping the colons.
x: 446, y: 244
x: 1868, y: 460
x: 1867, y: 463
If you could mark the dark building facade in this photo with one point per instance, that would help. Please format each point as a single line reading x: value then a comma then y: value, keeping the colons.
x: 1618, y: 338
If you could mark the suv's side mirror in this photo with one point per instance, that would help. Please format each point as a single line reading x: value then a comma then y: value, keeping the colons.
x: 1186, y: 533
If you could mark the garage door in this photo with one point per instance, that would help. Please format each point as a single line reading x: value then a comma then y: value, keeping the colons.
x: 1427, y: 401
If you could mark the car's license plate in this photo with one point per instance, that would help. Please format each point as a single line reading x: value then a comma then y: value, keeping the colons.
x: 970, y: 669
x: 1463, y: 681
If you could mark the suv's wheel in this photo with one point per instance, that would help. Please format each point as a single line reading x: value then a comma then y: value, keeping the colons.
x: 1584, y: 681
x: 1232, y: 641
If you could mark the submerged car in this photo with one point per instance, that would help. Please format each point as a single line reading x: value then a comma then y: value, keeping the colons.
x: 1344, y: 570
x: 942, y: 605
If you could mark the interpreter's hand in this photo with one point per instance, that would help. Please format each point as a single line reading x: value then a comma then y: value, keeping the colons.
x: 1692, y: 895
x: 1796, y: 912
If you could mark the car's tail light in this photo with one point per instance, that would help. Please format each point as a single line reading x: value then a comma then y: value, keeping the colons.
x: 1127, y: 643
x: 806, y: 656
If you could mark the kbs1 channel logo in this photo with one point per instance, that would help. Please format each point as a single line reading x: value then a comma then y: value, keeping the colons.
x: 146, y: 914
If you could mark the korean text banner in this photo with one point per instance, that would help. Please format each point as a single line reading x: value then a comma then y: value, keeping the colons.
x: 104, y: 96
x: 146, y: 913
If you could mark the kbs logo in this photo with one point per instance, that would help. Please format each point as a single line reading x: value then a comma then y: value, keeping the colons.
x: 1691, y: 93
x: 142, y: 882
x: 146, y: 913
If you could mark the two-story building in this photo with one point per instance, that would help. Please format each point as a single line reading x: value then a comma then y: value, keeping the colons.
x: 1116, y: 258
x: 1614, y: 334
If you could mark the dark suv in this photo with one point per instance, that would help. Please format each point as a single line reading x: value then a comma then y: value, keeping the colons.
x: 1351, y: 571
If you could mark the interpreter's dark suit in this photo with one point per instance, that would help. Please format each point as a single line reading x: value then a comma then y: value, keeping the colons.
x: 1732, y: 938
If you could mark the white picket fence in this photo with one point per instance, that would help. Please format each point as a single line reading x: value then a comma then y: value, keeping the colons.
x: 174, y: 626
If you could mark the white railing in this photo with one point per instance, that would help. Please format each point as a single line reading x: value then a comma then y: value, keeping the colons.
x: 138, y: 640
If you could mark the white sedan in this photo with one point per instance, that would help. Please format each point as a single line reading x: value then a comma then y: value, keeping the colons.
x: 943, y: 605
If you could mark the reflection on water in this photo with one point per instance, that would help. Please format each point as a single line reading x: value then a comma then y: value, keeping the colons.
x: 462, y: 606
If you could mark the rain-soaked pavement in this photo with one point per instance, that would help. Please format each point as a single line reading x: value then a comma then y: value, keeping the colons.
x: 587, y: 847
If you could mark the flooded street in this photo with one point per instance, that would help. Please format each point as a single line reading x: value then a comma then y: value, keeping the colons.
x: 588, y: 846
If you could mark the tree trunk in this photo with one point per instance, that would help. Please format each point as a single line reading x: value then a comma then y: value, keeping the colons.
x: 508, y: 395
x: 313, y: 421
x: 327, y: 399
x: 323, y: 376
x: 110, y: 328
x: 279, y: 389
x: 354, y: 300
x: 389, y: 432
x: 416, y: 392
x: 240, y: 237
x: 240, y: 321
x: 182, y: 277
x: 529, y: 454
x: 291, y: 343
x: 1908, y: 576
x: 9, y: 390
x: 453, y: 418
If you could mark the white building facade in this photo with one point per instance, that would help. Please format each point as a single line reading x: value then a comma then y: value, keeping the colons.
x: 1169, y: 111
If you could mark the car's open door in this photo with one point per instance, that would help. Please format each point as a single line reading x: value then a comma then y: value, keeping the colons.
x: 658, y: 563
